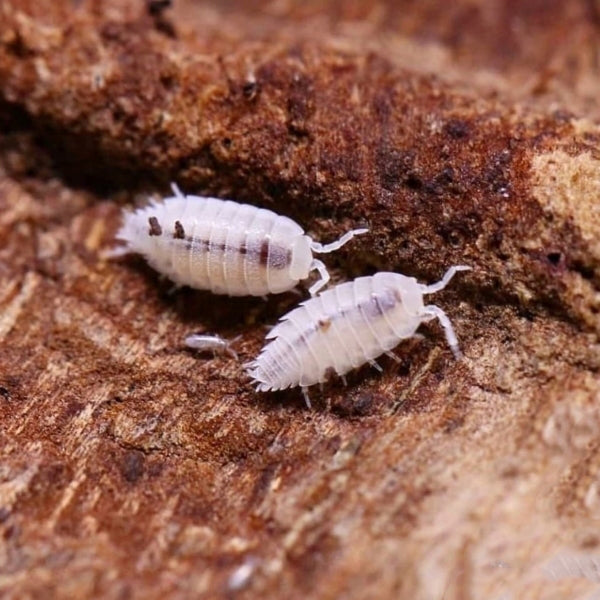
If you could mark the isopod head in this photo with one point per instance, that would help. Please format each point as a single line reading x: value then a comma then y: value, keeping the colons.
x: 302, y: 259
x: 407, y: 289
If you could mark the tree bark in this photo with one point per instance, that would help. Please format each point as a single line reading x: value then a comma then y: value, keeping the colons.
x: 133, y: 468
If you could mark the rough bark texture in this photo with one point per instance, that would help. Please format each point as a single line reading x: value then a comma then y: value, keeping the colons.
x: 463, y: 134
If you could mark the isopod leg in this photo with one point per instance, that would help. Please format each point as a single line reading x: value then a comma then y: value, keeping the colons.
x: 376, y: 365
x: 178, y: 193
x: 323, y: 272
x: 393, y: 356
x: 437, y: 312
x: 230, y: 350
x: 326, y: 248
x: 173, y: 289
x: 306, y: 397
x: 445, y: 280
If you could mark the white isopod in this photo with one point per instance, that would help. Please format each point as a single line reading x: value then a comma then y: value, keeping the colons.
x: 346, y: 326
x: 211, y: 343
x: 223, y: 246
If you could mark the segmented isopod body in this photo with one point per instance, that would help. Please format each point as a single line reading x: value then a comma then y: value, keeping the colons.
x: 211, y: 343
x: 344, y: 327
x: 223, y: 246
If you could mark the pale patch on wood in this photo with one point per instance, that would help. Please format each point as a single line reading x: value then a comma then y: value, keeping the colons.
x: 569, y: 186
x: 10, y: 313
x: 69, y: 493
x: 102, y: 332
x: 10, y: 490
x: 93, y: 240
x: 165, y: 532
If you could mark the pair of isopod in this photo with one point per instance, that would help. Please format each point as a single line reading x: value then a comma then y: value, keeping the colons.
x: 239, y: 249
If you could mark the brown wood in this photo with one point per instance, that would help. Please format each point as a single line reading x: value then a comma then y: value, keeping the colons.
x: 130, y: 467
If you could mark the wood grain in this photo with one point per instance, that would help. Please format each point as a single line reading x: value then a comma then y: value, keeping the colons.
x: 132, y: 468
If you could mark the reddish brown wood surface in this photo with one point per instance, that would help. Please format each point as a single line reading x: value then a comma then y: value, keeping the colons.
x: 132, y: 468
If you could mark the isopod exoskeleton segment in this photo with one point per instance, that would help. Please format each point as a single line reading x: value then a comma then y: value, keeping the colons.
x: 225, y: 247
x: 346, y: 326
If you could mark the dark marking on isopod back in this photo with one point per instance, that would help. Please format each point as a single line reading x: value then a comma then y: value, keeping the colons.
x: 179, y: 233
x: 272, y: 256
x: 267, y: 254
x: 155, y: 228
x: 379, y: 304
x: 374, y: 307
x: 324, y: 324
x: 264, y: 252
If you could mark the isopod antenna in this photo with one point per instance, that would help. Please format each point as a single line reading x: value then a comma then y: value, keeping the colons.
x: 445, y: 280
x: 326, y: 248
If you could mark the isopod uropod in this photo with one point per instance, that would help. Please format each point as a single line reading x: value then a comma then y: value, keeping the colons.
x: 223, y: 246
x: 345, y: 327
